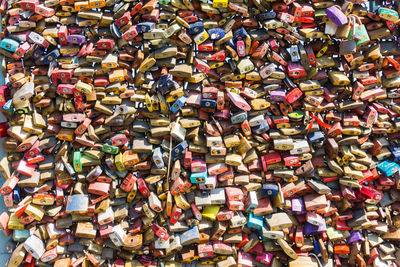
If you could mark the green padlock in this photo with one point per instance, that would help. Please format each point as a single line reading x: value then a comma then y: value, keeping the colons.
x: 388, y: 14
x: 359, y: 32
x: 77, y: 161
x: 110, y: 149
x: 296, y: 115
x: 22, y: 111
x: 20, y: 235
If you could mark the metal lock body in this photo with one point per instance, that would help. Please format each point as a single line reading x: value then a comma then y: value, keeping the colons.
x: 34, y: 246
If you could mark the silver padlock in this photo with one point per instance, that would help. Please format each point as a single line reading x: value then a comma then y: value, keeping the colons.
x: 294, y: 53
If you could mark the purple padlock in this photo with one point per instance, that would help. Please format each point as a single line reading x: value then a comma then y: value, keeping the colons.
x: 277, y: 95
x: 76, y: 39
x: 310, y: 229
x: 133, y: 214
x: 354, y: 237
x: 298, y: 206
x: 222, y: 114
x: 336, y: 15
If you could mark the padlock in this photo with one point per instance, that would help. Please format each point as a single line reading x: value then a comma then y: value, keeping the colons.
x: 34, y: 246
x: 117, y: 235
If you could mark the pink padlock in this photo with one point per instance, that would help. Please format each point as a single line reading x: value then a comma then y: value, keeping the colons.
x: 235, y: 205
x: 205, y: 250
x: 198, y: 165
x: 234, y: 194
x: 244, y: 259
x: 119, y: 140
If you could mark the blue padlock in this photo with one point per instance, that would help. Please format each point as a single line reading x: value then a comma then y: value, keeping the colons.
x: 162, y: 83
x: 383, y: 164
x: 388, y: 167
x: 8, y: 106
x: 255, y: 222
x: 172, y: 85
x: 257, y: 120
x: 9, y: 44
x: 178, y: 104
x: 270, y: 189
x: 267, y: 15
x: 232, y: 44
x: 196, y: 27
x: 316, y: 137
x: 179, y: 148
x: 145, y: 26
x: 240, y: 33
x: 77, y: 204
x: 190, y: 236
x: 166, y: 84
x: 208, y: 103
x: 115, y: 31
x: 53, y: 55
x: 262, y: 128
x: 198, y: 177
x: 392, y: 169
x: 239, y: 117
x: 395, y: 151
x: 16, y: 195
x: 317, y: 249
x: 216, y: 33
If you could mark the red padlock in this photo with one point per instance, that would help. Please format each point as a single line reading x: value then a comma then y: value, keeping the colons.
x: 176, y: 214
x: 143, y: 187
x: 159, y: 231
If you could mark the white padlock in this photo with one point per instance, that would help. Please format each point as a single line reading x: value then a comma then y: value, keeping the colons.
x: 34, y: 245
x: 117, y: 235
